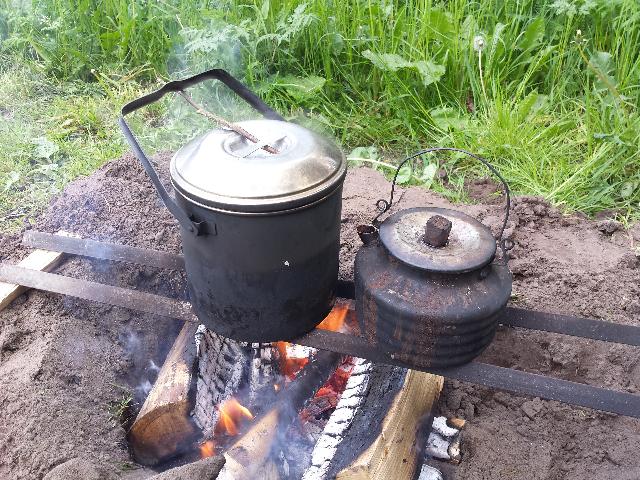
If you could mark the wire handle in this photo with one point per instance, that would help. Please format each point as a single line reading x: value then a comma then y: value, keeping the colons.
x: 383, y: 205
x: 179, y: 86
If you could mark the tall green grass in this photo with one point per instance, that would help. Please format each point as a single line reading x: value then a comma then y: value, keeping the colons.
x: 546, y: 89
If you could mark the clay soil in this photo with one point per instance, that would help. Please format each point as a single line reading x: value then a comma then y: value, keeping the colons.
x: 66, y: 364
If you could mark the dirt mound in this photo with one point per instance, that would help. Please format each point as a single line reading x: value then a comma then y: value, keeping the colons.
x: 65, y: 363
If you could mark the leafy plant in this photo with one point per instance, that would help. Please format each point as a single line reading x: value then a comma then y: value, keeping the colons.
x: 548, y: 90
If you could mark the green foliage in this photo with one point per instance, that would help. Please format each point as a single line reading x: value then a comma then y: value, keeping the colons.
x: 548, y: 90
x: 49, y: 134
x: 121, y: 408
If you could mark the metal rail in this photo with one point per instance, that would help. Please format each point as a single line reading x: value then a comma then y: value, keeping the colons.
x: 569, y: 325
x: 103, y: 250
x: 479, y: 373
x: 518, y: 382
x: 511, y: 316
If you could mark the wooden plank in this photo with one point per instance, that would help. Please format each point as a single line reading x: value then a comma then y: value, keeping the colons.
x: 246, y: 458
x: 163, y: 427
x: 43, y: 260
x: 393, y: 454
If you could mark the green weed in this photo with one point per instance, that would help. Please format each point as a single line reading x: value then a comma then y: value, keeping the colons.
x: 548, y: 90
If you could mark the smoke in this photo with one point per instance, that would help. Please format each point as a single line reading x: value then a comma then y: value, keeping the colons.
x: 153, y: 367
x: 214, y: 44
x: 143, y: 389
x: 142, y: 371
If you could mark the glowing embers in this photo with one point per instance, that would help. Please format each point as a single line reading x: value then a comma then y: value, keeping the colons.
x: 292, y: 359
x: 319, y: 408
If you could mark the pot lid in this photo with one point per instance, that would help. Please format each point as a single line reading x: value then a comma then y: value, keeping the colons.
x: 470, y: 246
x: 223, y: 170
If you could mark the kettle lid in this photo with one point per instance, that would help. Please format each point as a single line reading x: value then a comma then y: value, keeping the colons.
x: 470, y: 244
x: 223, y: 170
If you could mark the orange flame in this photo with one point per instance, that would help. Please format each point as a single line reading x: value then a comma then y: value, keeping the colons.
x: 289, y: 366
x: 231, y: 414
x: 336, y: 318
x: 207, y: 449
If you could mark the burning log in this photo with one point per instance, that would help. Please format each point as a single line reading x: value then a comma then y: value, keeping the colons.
x: 250, y: 453
x: 356, y: 443
x: 374, y: 429
x: 163, y: 427
x: 225, y: 366
x: 393, y: 453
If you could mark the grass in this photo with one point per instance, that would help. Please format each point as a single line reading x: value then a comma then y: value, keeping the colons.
x: 120, y: 409
x: 546, y: 90
x: 50, y: 133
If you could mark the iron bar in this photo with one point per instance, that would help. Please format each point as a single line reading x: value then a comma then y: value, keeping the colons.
x: 103, y: 250
x: 511, y: 316
x: 515, y: 381
x: 522, y: 383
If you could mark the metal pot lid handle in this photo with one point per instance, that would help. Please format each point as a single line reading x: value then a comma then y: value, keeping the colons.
x: 178, y: 86
x: 383, y: 205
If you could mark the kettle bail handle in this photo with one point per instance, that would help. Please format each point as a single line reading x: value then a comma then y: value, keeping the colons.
x: 383, y: 205
x: 176, y: 86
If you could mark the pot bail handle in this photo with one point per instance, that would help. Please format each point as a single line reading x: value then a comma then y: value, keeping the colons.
x: 176, y: 86
x: 383, y: 205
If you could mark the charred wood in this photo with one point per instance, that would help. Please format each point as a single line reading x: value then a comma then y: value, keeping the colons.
x: 225, y: 367
x: 255, y: 447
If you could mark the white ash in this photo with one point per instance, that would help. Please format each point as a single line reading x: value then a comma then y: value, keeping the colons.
x: 340, y: 420
x: 437, y: 447
x: 430, y: 473
x: 264, y: 368
x: 439, y: 425
x: 299, y: 351
x: 199, y: 337
x: 443, y: 442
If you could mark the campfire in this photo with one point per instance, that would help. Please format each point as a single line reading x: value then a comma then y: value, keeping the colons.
x: 283, y: 408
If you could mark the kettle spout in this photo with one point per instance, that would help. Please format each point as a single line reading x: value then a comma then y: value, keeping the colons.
x: 367, y: 233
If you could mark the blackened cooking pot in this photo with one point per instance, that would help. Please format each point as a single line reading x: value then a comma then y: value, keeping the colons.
x: 260, y: 231
x: 428, y: 287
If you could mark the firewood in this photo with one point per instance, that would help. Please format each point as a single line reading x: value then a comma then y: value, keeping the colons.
x: 393, y: 454
x: 163, y: 427
x: 43, y: 260
x: 224, y: 367
x: 247, y: 456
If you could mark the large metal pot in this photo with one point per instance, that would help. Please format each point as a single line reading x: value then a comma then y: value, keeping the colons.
x: 260, y: 231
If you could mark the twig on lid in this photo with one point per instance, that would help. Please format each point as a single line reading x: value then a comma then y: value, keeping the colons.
x: 226, y: 124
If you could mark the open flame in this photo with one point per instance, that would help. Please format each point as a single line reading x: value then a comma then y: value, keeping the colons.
x: 289, y: 364
x: 293, y: 358
x: 336, y: 318
x: 208, y: 449
x: 232, y: 414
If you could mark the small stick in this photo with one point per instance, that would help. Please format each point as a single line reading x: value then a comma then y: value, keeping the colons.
x: 221, y: 121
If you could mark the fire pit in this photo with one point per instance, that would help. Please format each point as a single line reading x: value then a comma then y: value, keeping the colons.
x: 285, y: 408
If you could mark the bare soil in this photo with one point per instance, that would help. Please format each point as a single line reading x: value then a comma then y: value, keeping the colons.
x: 65, y: 363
